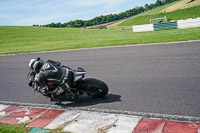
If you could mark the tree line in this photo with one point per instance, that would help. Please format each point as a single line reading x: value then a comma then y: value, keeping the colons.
x: 109, y: 18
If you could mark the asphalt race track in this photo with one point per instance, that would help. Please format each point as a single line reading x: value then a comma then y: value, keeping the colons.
x: 158, y: 78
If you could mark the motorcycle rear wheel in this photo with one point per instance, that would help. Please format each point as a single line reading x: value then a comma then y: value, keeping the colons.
x: 94, y: 87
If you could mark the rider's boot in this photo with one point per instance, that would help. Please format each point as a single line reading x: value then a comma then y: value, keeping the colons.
x: 58, y: 93
x: 44, y: 91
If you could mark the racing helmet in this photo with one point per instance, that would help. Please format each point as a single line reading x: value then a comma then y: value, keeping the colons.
x: 35, y: 64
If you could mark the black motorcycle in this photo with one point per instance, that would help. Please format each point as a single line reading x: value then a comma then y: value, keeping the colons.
x: 81, y: 86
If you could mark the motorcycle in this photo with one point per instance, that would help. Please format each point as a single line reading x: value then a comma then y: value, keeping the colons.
x: 81, y: 86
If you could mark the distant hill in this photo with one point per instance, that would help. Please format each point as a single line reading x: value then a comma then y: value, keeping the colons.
x: 181, y: 9
x: 113, y: 24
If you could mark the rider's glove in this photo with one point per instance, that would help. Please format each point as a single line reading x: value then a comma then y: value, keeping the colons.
x: 31, y: 79
x: 30, y: 82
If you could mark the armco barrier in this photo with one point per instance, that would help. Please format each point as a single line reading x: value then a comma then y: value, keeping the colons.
x: 142, y: 28
x: 188, y: 23
x: 165, y: 26
x: 180, y: 24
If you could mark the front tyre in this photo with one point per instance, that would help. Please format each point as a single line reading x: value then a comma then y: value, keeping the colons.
x: 94, y: 87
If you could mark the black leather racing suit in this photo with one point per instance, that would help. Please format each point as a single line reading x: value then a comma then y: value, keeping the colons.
x: 52, y: 72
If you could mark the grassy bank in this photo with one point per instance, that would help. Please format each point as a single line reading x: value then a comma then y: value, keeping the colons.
x: 32, y: 39
x: 159, y: 9
x: 192, y: 12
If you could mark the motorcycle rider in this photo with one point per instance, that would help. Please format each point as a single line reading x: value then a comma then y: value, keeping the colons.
x: 50, y: 71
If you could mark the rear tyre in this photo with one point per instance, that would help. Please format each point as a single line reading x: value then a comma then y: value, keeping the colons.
x: 94, y: 87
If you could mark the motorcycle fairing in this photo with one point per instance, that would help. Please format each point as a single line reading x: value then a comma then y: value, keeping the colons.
x: 79, y: 73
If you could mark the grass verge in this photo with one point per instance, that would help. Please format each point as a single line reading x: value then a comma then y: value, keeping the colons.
x: 34, y: 39
x: 21, y: 128
x: 6, y: 128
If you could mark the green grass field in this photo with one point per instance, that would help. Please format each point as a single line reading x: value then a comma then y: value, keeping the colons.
x: 34, y: 39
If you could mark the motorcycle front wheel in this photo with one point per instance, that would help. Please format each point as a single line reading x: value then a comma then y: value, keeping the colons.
x: 94, y: 87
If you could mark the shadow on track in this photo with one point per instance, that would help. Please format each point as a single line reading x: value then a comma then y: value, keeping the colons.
x: 88, y: 101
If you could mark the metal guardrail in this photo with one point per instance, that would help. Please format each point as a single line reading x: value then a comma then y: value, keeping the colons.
x: 180, y: 24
